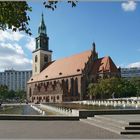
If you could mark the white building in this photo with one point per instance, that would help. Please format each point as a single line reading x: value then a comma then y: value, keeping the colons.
x: 130, y: 72
x: 15, y: 80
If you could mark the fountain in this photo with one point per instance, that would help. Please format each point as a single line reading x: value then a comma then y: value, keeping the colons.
x: 17, y: 109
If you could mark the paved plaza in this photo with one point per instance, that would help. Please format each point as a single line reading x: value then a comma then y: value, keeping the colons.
x: 124, y: 118
x: 54, y: 129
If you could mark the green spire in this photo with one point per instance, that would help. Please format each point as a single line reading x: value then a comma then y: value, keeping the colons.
x: 42, y: 27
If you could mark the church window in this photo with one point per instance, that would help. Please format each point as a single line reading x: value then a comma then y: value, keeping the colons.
x: 35, y: 68
x: 76, y: 86
x: 45, y: 58
x: 67, y: 86
x: 78, y: 70
x: 38, y: 43
x: 57, y: 97
x: 72, y: 87
x: 36, y: 58
x: 60, y: 73
x: 30, y: 92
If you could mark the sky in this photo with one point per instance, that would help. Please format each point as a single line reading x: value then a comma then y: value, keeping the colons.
x: 113, y: 26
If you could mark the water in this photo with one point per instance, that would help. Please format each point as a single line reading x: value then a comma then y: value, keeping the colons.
x: 23, y: 110
x: 27, y: 110
x: 18, y: 109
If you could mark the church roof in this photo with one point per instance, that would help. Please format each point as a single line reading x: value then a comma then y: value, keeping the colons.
x: 104, y: 64
x: 68, y: 66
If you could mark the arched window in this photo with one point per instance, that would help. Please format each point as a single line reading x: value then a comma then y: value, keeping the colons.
x: 57, y: 97
x: 30, y: 92
x: 76, y: 87
x: 35, y: 68
x: 45, y: 58
x: 36, y: 58
x: 72, y: 87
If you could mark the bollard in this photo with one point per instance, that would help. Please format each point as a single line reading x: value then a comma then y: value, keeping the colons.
x: 43, y: 113
x: 124, y: 105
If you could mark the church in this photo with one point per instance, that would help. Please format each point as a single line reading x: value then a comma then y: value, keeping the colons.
x: 64, y: 79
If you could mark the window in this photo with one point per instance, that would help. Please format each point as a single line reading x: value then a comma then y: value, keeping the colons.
x: 78, y: 70
x: 45, y: 58
x: 36, y: 58
x: 60, y: 73
x: 30, y: 92
x: 35, y: 68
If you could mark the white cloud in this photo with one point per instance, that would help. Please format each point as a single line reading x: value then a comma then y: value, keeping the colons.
x: 130, y: 5
x: 10, y: 36
x: 12, y: 54
x: 136, y: 64
x: 30, y: 44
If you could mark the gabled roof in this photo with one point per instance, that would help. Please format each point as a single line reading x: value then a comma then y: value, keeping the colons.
x: 104, y: 64
x: 68, y: 66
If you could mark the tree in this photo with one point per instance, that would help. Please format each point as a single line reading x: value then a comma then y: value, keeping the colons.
x: 20, y: 95
x: 52, y: 4
x: 10, y: 94
x: 13, y: 15
x: 3, y: 92
x: 92, y: 90
x: 136, y: 83
x: 118, y: 87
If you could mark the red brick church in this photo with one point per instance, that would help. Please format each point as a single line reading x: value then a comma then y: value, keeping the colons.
x: 64, y: 79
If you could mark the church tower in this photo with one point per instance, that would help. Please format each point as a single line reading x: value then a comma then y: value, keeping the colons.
x: 41, y: 55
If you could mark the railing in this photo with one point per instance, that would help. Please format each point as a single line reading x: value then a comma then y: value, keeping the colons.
x: 112, y: 102
x: 38, y: 110
x: 61, y: 110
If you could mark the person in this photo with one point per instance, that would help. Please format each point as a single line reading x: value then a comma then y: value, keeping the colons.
x: 113, y: 95
x: 1, y: 102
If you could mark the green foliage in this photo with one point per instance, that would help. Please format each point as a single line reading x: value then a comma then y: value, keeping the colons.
x: 13, y: 15
x: 10, y: 94
x: 136, y: 83
x: 21, y: 95
x: 93, y: 90
x: 52, y: 4
x: 3, y: 92
x: 117, y: 87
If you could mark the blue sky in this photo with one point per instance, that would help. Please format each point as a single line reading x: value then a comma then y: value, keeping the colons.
x: 113, y: 26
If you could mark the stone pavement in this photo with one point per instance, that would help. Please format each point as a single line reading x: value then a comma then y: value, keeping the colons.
x: 124, y: 118
x: 119, y: 124
x: 54, y: 130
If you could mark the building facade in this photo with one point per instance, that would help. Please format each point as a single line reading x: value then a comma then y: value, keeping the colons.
x: 130, y: 72
x: 15, y: 80
x: 64, y: 79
